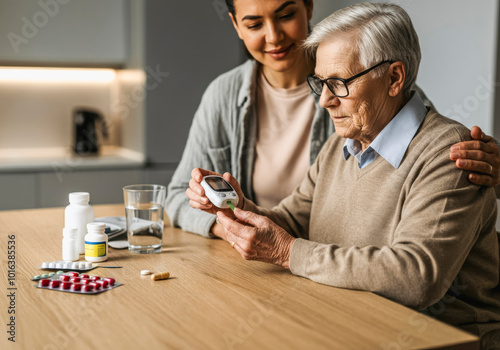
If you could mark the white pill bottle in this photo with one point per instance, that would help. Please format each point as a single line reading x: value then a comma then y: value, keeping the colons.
x: 77, y: 215
x: 69, y: 248
x: 96, y: 242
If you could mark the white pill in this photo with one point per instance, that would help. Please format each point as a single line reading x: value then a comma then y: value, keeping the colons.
x: 146, y: 272
x: 59, y: 266
x: 44, y: 264
x: 52, y: 265
x: 67, y: 265
x: 88, y: 265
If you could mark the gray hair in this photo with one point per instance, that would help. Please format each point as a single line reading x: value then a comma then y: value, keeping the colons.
x: 384, y: 32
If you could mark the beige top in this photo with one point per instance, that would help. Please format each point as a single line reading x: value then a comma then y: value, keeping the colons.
x: 282, y: 149
x: 421, y: 235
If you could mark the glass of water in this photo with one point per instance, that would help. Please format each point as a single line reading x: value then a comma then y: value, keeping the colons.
x: 144, y: 209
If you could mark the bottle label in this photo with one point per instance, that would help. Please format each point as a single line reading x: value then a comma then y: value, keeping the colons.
x: 95, y: 249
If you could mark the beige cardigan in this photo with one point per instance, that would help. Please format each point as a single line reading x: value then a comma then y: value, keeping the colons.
x: 421, y: 235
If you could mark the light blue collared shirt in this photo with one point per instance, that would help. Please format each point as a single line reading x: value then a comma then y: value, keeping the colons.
x: 393, y: 141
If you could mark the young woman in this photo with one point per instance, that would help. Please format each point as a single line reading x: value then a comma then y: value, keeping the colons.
x: 261, y: 123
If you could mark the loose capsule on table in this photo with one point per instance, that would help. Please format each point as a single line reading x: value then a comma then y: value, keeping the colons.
x: 160, y: 276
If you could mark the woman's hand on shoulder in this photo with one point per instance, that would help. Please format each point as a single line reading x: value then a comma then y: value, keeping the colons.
x: 480, y: 156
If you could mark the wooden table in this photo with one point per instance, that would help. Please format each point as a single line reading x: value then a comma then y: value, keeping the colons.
x: 214, y: 300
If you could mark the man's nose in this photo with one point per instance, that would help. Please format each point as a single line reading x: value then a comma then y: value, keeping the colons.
x: 328, y: 99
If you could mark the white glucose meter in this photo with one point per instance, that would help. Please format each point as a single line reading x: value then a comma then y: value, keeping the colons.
x: 219, y: 191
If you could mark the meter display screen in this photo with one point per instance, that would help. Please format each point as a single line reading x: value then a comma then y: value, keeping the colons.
x: 218, y: 184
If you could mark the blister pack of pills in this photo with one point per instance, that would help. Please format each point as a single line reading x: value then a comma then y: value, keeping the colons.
x: 67, y: 265
x: 74, y: 282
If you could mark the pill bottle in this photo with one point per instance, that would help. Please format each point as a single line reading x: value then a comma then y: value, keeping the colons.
x: 69, y: 248
x: 96, y: 243
x: 77, y: 215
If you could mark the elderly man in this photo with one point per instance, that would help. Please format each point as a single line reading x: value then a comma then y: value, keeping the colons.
x: 382, y: 209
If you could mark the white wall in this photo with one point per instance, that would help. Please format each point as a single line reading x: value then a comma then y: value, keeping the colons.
x: 459, y: 44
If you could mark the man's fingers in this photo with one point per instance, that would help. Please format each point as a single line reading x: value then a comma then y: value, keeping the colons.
x: 475, y: 166
x: 249, y: 217
x: 231, y: 225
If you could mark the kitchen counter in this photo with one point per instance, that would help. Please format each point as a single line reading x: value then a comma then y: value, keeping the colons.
x: 59, y: 159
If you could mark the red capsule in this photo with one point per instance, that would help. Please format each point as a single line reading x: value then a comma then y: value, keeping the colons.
x: 64, y: 278
x: 87, y: 288
x: 75, y: 279
x: 84, y: 275
x: 95, y: 285
x: 85, y: 280
x: 54, y: 284
x: 44, y: 282
x: 110, y: 280
x: 103, y: 283
x: 65, y: 285
x: 76, y: 287
x: 73, y: 274
x: 95, y: 278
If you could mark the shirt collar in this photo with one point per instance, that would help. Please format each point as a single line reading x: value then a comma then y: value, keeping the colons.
x: 393, y: 141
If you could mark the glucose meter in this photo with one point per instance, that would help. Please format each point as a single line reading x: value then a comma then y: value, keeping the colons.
x: 219, y: 191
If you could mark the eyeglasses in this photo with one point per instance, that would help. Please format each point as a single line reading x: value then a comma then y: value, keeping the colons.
x: 337, y: 86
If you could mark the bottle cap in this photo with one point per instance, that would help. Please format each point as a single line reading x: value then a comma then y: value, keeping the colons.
x: 70, y: 232
x: 96, y: 227
x: 79, y: 198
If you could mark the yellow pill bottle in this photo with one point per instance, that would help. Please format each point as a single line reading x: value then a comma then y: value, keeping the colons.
x: 96, y: 243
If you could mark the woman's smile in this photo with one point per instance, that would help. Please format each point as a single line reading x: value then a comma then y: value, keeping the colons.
x: 279, y: 54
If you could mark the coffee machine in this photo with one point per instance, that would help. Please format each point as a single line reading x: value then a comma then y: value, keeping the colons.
x: 89, y: 130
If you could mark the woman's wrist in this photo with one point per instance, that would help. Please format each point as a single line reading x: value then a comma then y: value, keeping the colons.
x: 218, y: 230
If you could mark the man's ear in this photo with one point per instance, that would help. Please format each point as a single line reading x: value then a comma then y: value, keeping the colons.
x: 397, y: 77
x: 235, y: 25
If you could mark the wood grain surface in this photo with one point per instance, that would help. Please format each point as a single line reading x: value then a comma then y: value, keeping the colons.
x: 213, y: 300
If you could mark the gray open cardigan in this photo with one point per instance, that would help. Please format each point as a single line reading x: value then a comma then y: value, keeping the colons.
x: 222, y: 138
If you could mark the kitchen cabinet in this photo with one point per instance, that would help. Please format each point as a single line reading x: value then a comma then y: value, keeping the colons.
x: 17, y: 191
x: 41, y: 189
x: 64, y: 32
x: 103, y: 186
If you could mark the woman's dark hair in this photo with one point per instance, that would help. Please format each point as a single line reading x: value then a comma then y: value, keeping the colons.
x: 230, y: 5
x: 230, y: 8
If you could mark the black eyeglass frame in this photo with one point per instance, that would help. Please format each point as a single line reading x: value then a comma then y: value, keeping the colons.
x: 345, y: 81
